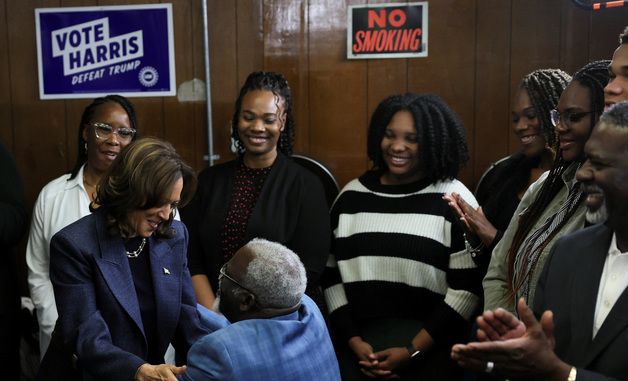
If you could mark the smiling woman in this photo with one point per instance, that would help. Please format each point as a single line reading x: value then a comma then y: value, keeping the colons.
x: 262, y: 193
x: 502, y: 186
x: 396, y: 245
x: 120, y: 275
x: 553, y: 206
x: 67, y: 198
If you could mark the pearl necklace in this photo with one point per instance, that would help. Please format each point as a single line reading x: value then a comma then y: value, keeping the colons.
x: 136, y: 253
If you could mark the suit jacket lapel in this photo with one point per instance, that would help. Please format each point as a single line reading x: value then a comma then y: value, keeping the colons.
x: 116, y: 272
x: 584, y: 297
x: 615, y: 322
x: 166, y: 273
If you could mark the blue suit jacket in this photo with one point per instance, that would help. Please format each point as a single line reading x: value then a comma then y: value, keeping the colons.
x: 288, y: 347
x: 99, y: 313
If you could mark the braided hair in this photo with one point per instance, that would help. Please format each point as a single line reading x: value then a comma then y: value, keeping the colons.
x: 441, y: 135
x: 278, y: 85
x: 88, y: 113
x: 593, y: 76
x: 544, y: 87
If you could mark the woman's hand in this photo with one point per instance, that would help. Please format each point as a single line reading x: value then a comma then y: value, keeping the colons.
x: 474, y: 220
x: 366, y: 358
x: 452, y: 201
x: 391, y: 359
x: 161, y: 372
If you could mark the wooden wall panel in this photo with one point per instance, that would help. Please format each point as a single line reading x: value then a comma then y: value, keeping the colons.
x: 337, y: 88
x: 38, y: 126
x: 492, y: 129
x: 575, y: 28
x: 605, y: 29
x: 250, y: 38
x: 179, y: 117
x: 6, y: 134
x: 535, y: 41
x: 449, y: 69
x: 385, y: 77
x: 224, y: 74
x: 286, y: 51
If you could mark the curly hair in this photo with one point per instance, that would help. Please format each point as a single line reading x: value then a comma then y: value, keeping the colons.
x: 544, y: 87
x: 278, y: 85
x: 441, y: 135
x: 86, y: 118
x: 142, y: 177
x: 594, y: 77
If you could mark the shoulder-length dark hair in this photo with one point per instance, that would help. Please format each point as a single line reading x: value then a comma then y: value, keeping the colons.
x: 278, y: 85
x: 88, y: 113
x: 441, y: 135
x: 142, y: 177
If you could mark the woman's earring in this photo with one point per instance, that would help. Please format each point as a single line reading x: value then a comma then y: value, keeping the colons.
x: 85, y: 146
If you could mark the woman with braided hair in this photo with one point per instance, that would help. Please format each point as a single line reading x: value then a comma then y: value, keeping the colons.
x: 399, y: 286
x: 553, y: 206
x: 500, y: 189
x: 262, y: 193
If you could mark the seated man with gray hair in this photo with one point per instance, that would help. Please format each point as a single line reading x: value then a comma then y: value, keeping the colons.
x: 270, y: 329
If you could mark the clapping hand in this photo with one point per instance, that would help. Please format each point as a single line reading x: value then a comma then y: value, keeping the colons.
x: 517, y: 350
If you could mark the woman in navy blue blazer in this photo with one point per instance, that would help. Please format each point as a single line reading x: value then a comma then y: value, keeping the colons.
x: 120, y: 276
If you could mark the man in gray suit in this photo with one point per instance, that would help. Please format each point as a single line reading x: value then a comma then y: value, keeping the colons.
x: 583, y: 333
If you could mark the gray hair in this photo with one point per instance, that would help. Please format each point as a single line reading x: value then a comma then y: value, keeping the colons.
x: 617, y: 115
x: 275, y: 275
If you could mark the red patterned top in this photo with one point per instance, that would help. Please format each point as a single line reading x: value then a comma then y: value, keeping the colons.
x: 247, y: 186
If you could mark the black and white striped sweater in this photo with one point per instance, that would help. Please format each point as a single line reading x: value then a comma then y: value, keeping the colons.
x: 398, y: 252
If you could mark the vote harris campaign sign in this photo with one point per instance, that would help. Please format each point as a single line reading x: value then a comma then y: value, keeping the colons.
x: 85, y: 52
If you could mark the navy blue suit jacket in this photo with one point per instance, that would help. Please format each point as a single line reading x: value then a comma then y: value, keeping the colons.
x: 289, y: 347
x: 99, y: 313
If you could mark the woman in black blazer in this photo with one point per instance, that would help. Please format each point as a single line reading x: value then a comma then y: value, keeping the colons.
x: 262, y: 193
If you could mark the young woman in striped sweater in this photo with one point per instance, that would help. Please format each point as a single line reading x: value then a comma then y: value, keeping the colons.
x: 399, y: 284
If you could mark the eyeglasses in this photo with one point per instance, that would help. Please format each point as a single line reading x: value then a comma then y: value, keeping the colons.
x: 104, y: 131
x: 567, y: 118
x: 224, y: 274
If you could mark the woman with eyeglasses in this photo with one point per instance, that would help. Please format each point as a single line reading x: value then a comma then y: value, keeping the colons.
x: 502, y: 186
x: 120, y: 276
x: 108, y: 124
x: 553, y: 206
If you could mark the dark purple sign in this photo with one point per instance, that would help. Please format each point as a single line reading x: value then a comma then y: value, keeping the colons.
x: 85, y: 52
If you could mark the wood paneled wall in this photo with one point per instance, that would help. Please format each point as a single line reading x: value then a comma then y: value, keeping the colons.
x: 479, y: 50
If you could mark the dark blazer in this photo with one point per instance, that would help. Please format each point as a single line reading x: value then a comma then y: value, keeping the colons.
x: 569, y: 286
x: 291, y: 209
x: 99, y: 313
